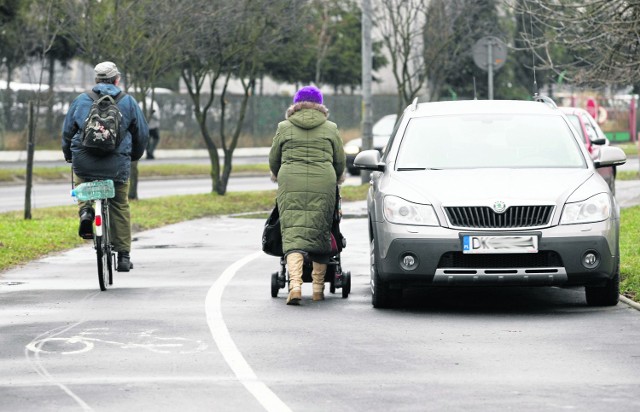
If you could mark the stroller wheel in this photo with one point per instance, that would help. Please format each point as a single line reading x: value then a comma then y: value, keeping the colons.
x: 274, y: 285
x: 332, y: 286
x: 346, y: 284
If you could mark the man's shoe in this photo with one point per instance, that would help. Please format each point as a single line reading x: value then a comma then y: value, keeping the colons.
x: 124, y: 262
x: 86, y: 223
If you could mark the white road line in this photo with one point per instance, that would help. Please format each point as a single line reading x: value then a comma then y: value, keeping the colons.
x: 228, y: 348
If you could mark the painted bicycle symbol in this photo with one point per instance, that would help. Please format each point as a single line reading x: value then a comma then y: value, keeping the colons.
x: 86, y: 340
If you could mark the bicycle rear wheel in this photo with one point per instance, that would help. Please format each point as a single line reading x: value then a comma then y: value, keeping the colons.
x: 108, y: 246
x: 110, y: 263
x: 103, y: 245
x: 104, y: 263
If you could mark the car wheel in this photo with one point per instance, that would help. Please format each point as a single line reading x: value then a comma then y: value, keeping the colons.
x: 381, y: 295
x: 607, y: 295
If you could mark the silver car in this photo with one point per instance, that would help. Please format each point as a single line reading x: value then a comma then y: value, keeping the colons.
x: 491, y: 193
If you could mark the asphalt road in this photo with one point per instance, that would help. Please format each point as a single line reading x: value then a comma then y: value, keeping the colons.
x: 193, y: 328
x: 58, y: 194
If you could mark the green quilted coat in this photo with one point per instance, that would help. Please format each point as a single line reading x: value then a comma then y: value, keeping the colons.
x: 307, y: 157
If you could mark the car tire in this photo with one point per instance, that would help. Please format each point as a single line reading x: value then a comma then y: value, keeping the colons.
x: 382, y: 296
x: 607, y: 295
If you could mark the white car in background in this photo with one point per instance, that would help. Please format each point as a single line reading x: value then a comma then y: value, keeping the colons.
x: 382, y: 129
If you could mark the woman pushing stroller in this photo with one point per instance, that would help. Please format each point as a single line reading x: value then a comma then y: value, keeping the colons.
x: 307, y: 160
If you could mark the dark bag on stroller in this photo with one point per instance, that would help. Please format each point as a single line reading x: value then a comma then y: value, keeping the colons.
x: 271, y: 236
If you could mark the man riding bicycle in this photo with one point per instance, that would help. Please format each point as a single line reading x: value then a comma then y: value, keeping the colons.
x: 89, y: 165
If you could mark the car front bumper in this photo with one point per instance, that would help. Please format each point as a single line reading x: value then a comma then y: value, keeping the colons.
x: 440, y: 259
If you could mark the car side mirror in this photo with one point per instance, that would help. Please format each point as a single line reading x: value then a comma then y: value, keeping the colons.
x: 594, y: 138
x: 610, y: 156
x: 369, y: 160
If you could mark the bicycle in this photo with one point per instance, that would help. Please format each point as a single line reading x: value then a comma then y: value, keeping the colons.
x: 99, y: 192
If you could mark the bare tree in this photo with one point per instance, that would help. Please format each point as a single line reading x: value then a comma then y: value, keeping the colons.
x: 324, y: 38
x: 141, y: 36
x: 227, y: 41
x: 45, y: 21
x: 12, y: 53
x: 440, y: 49
x: 400, y: 24
x: 600, y: 37
x: 451, y: 28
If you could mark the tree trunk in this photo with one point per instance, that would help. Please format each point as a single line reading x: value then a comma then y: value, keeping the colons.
x: 49, y: 119
x: 214, y: 158
x: 8, y: 101
x: 31, y: 145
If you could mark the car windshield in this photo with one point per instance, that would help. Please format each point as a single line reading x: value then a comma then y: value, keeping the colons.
x: 488, y: 141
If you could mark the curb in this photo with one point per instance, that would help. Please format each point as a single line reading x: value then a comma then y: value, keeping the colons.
x: 634, y: 305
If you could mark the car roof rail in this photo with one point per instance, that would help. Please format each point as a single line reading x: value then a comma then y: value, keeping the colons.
x: 546, y: 100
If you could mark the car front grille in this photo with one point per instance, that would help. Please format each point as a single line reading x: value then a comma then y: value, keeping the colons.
x: 483, y: 217
x: 459, y: 260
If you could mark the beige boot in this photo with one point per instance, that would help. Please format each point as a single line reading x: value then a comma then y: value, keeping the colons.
x: 294, y: 264
x: 317, y: 276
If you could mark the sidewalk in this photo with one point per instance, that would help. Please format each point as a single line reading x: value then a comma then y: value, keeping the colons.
x: 56, y: 155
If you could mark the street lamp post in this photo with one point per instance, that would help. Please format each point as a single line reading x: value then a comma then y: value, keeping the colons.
x: 367, y: 121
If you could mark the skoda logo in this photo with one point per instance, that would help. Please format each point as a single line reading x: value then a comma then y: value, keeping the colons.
x: 499, y: 206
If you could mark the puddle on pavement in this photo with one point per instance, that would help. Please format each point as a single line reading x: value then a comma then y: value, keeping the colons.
x: 180, y: 246
x: 11, y: 283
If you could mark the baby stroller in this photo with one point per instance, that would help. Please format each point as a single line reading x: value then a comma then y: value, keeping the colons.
x: 335, y: 276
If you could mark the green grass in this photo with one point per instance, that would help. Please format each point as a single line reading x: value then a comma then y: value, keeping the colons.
x: 630, y: 149
x: 627, y: 175
x: 630, y: 253
x: 55, y: 229
x: 61, y: 173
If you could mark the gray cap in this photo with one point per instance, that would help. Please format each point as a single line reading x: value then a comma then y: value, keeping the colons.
x: 106, y: 70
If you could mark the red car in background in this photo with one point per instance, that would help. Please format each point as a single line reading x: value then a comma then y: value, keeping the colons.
x: 593, y: 137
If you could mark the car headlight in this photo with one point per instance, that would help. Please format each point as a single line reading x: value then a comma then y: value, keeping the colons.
x: 351, y: 150
x: 594, y: 209
x: 400, y: 211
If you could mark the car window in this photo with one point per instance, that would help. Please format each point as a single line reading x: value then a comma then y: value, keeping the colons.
x: 392, y: 135
x: 488, y: 141
x: 597, y: 133
x: 575, y: 121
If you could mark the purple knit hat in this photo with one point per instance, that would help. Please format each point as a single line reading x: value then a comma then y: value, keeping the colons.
x: 308, y: 94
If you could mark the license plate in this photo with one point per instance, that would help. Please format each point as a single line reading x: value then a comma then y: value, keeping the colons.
x: 500, y: 244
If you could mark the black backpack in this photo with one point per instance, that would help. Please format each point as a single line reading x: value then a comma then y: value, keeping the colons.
x: 102, y: 134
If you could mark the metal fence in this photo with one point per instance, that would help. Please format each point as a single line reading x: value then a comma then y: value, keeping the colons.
x: 177, y: 116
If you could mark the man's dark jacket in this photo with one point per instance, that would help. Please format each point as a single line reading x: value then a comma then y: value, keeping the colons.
x: 116, y: 165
